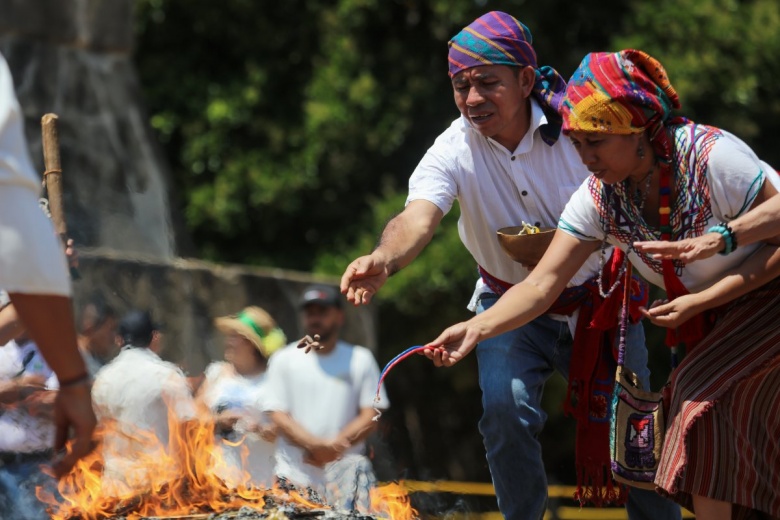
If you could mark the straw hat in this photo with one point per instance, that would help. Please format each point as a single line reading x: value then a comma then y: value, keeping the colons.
x: 257, y: 326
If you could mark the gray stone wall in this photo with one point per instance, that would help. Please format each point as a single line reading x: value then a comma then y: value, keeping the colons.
x: 74, y: 58
x: 186, y: 296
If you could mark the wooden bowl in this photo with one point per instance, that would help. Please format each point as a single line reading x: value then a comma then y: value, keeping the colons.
x: 525, y: 249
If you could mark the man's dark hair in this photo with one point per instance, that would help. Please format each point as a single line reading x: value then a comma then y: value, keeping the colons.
x: 137, y: 328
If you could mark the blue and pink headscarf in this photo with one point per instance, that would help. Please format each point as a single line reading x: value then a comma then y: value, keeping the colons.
x: 497, y: 38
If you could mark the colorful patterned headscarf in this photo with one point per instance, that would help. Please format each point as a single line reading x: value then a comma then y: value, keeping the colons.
x: 624, y: 92
x: 497, y: 38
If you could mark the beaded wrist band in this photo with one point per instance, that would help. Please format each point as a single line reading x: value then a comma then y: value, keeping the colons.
x: 729, y: 237
x: 83, y: 379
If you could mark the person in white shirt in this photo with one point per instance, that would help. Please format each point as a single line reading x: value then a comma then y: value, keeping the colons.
x: 141, y: 397
x: 97, y: 323
x: 655, y: 175
x: 235, y: 390
x: 34, y: 271
x: 322, y: 404
x: 504, y: 164
x: 28, y: 388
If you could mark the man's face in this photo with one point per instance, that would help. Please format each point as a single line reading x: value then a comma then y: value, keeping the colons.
x: 494, y: 100
x: 323, y: 320
x: 102, y: 337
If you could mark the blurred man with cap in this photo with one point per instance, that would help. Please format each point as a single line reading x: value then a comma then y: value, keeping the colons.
x: 322, y: 405
x: 138, y: 391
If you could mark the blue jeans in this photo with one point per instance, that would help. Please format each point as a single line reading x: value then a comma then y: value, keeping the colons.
x: 18, y: 480
x: 513, y: 368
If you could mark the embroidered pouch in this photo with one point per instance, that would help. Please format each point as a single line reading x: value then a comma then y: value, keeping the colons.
x: 636, y: 431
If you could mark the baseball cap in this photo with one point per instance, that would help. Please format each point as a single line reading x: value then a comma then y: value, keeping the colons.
x: 137, y: 328
x: 326, y: 295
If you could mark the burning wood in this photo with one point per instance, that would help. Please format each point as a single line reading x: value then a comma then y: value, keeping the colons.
x: 180, y: 483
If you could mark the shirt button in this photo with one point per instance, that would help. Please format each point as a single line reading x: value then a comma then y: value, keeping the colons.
x: 524, y: 193
x: 513, y: 157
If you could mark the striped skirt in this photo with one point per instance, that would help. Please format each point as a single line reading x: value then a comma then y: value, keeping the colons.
x: 723, y: 429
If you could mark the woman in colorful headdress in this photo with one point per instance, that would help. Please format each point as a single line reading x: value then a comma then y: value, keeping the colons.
x: 235, y: 390
x: 654, y: 177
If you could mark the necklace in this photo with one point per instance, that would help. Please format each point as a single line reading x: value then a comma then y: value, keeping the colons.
x: 639, y: 202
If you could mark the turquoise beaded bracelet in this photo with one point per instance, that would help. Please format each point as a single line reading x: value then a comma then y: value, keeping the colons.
x: 728, y: 237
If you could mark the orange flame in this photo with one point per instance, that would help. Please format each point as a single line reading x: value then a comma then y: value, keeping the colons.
x: 132, y: 474
x: 392, y: 501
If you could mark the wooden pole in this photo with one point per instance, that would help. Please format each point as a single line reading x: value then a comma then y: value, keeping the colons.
x: 52, y: 179
x: 52, y: 176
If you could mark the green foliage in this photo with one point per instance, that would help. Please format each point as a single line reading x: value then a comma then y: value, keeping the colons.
x: 721, y: 56
x: 292, y: 128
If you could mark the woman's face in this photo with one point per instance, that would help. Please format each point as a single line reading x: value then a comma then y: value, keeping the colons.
x: 610, y: 158
x: 243, y: 355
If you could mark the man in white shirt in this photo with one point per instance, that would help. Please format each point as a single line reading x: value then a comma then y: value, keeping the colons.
x: 143, y: 396
x: 503, y: 162
x: 322, y: 404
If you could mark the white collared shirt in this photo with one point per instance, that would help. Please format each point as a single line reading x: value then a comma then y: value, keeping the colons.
x: 497, y: 188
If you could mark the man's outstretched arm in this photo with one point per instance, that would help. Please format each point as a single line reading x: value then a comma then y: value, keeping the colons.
x: 403, y: 238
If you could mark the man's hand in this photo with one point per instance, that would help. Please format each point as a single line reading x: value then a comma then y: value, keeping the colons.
x: 28, y: 385
x: 687, y: 250
x: 363, y: 278
x: 310, y: 343
x: 322, y: 453
x: 15, y: 390
x: 73, y: 410
x: 41, y: 404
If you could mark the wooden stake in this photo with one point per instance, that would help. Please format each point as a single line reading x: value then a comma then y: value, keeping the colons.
x: 52, y: 177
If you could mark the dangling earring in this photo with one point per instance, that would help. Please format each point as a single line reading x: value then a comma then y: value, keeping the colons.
x: 640, y: 150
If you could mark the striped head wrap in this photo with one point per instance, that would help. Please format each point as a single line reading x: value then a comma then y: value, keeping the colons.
x: 623, y: 93
x: 497, y: 38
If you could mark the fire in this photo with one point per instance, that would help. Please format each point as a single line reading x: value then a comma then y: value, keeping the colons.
x: 131, y: 474
x: 393, y: 502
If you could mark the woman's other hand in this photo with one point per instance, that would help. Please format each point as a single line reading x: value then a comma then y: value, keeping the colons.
x: 672, y: 314
x: 687, y: 250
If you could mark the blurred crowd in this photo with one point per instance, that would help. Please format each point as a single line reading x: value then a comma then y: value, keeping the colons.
x: 276, y: 411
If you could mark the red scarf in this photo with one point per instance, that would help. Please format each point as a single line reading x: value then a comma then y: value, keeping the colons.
x: 591, y: 380
x: 592, y: 373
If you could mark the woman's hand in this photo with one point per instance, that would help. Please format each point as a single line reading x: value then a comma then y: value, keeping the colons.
x: 453, y: 344
x: 267, y: 432
x: 672, y: 314
x: 687, y: 250
x: 226, y: 420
